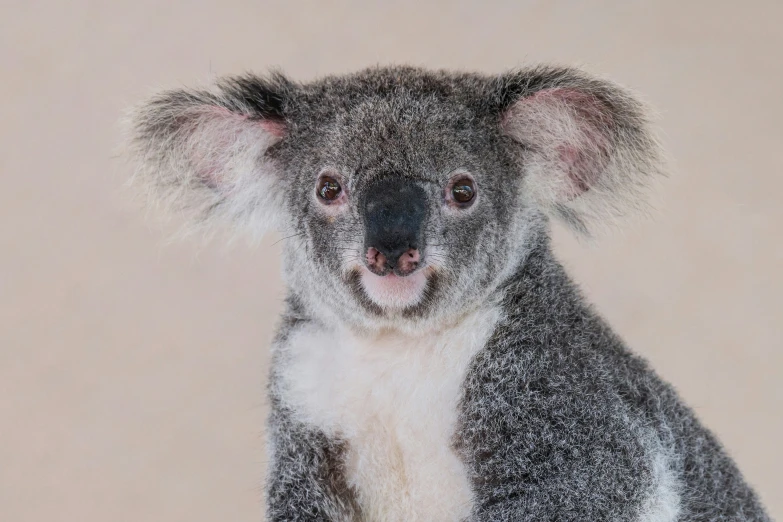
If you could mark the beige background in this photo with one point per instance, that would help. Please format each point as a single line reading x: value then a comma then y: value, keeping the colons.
x: 132, y: 370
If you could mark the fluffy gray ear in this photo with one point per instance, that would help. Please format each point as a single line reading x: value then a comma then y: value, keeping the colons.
x: 204, y: 153
x: 587, y: 150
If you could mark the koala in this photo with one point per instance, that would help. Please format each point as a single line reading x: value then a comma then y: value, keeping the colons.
x: 434, y: 361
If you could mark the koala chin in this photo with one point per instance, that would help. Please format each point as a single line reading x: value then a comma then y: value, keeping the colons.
x: 434, y: 361
x: 392, y: 291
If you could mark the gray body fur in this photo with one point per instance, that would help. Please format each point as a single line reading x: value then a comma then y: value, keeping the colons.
x: 556, y: 419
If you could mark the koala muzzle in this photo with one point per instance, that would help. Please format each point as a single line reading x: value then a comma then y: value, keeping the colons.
x: 395, y: 212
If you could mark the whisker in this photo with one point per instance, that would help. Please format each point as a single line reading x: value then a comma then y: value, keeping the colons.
x: 288, y: 237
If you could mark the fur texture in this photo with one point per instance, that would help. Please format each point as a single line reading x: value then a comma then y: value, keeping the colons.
x: 394, y: 400
x: 495, y: 393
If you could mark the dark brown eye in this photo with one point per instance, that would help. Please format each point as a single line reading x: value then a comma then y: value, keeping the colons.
x: 463, y: 191
x: 328, y: 188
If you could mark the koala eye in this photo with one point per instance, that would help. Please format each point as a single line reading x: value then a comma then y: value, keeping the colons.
x: 328, y: 188
x: 462, y: 191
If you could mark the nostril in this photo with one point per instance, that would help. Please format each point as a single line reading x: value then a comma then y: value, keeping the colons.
x: 409, y: 260
x: 372, y: 255
x: 376, y: 261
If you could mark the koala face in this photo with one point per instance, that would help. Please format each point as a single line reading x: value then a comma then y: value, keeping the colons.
x: 403, y: 202
x: 406, y: 196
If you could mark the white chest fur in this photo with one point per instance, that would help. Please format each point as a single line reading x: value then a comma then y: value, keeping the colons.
x: 394, y: 398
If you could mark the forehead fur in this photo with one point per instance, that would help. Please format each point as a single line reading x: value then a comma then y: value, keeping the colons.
x: 402, y: 120
x: 399, y: 86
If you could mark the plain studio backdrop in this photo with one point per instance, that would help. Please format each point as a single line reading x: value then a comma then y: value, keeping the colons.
x: 132, y: 370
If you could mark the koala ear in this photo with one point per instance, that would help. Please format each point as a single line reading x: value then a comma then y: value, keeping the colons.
x: 587, y: 151
x: 204, y: 153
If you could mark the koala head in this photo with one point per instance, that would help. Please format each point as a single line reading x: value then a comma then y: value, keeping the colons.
x: 405, y: 196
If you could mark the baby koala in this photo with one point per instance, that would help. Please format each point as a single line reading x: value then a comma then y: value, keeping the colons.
x: 434, y: 362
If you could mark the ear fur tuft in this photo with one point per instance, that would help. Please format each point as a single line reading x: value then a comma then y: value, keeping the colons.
x: 587, y: 151
x: 203, y: 153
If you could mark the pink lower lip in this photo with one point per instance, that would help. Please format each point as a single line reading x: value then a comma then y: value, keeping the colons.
x: 394, y: 291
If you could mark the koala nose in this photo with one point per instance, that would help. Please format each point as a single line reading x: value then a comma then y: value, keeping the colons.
x: 395, y: 210
x: 405, y: 263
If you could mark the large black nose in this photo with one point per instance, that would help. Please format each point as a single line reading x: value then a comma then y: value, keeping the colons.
x: 395, y: 210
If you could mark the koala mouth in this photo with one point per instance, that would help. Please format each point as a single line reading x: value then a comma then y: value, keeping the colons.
x: 392, y: 291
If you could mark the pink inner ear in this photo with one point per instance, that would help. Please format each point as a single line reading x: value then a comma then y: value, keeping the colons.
x: 574, y: 126
x: 274, y: 127
x: 580, y: 174
x: 222, y: 128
